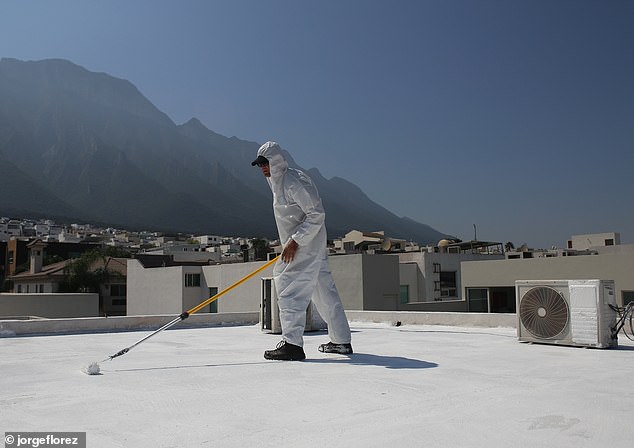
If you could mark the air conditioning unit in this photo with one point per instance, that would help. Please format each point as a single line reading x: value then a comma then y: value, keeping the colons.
x: 566, y: 312
x: 270, y: 312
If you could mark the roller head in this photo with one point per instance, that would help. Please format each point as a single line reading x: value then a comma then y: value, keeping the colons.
x: 92, y: 369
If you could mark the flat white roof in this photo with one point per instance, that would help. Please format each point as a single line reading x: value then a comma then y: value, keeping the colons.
x: 406, y: 386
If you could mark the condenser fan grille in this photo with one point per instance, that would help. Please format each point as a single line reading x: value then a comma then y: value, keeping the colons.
x: 544, y: 312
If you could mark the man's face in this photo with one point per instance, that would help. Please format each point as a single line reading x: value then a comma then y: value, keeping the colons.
x: 266, y: 169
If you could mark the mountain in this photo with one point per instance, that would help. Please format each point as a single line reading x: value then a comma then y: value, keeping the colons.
x: 90, y: 146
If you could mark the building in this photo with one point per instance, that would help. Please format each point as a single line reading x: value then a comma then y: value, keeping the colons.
x: 585, y: 242
x: 209, y: 240
x: 227, y: 251
x: 3, y: 262
x: 471, y: 276
x: 357, y: 241
x: 17, y: 252
x: 380, y: 275
x: 47, y: 279
x: 365, y: 282
x: 186, y: 252
x: 432, y: 280
x: 427, y: 280
x: 48, y: 229
x: 10, y: 228
x: 36, y: 306
x: 489, y: 286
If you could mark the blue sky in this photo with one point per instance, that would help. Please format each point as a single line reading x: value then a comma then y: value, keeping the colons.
x: 515, y: 116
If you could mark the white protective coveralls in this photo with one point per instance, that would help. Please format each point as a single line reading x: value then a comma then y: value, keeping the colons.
x: 299, y: 214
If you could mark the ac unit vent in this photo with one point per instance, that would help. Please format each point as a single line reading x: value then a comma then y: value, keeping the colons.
x: 567, y: 312
x: 544, y: 312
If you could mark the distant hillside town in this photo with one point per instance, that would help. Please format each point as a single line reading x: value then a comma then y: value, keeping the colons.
x: 81, y: 270
x: 184, y: 247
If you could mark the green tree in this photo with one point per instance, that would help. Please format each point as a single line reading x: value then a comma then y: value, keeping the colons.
x: 84, y: 274
x: 87, y: 273
x: 50, y: 259
x: 117, y: 252
x: 261, y: 248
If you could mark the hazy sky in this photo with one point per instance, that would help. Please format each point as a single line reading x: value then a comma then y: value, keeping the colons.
x: 515, y: 116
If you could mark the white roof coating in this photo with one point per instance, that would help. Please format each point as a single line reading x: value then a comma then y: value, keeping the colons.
x: 406, y: 386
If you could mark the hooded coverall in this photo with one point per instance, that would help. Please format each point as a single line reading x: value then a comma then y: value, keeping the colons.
x: 299, y: 215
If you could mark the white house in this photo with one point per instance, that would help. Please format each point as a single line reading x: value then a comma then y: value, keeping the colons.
x: 489, y: 286
x: 365, y: 282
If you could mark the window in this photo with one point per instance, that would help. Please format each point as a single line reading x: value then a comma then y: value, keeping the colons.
x: 609, y: 242
x: 192, y: 280
x: 628, y: 296
x: 478, y: 300
x: 119, y: 302
x: 436, y: 268
x: 213, y: 306
x: 404, y: 294
x: 118, y: 291
x: 448, y: 284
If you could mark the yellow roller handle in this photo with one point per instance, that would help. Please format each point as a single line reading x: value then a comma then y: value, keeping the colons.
x: 235, y: 285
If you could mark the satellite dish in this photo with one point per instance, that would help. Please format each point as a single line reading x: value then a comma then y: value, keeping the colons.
x: 386, y: 244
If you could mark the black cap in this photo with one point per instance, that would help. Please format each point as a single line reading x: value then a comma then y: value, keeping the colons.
x: 261, y: 160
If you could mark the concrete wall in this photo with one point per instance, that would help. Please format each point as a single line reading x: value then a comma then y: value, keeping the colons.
x: 12, y: 328
x: 409, y: 275
x: 366, y: 282
x: 454, y: 306
x: 347, y: 270
x: 163, y: 290
x: 244, y: 298
x: 435, y: 318
x: 155, y: 290
x: 381, y: 283
x: 49, y: 305
x: 618, y: 267
x: 363, y: 282
x: 192, y: 295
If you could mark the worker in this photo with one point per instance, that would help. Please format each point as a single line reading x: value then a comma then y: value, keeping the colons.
x: 301, y: 274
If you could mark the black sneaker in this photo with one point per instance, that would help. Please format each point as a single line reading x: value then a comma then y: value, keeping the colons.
x: 331, y: 347
x: 286, y: 352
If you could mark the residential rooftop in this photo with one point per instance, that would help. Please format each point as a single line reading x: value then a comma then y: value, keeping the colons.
x: 406, y: 385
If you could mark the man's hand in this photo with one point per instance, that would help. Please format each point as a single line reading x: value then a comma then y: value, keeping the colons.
x: 289, y: 251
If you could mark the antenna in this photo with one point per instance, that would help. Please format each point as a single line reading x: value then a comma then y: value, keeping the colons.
x: 475, y: 233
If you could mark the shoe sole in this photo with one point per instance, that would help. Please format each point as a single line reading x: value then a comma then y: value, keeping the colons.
x: 284, y: 359
x: 278, y: 358
x: 343, y: 351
